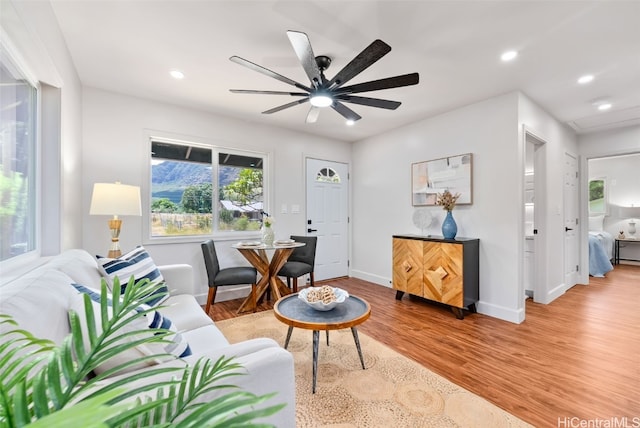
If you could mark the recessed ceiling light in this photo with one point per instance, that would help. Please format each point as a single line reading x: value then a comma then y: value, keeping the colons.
x: 585, y: 79
x: 350, y: 122
x: 604, y: 106
x: 177, y: 74
x: 509, y: 55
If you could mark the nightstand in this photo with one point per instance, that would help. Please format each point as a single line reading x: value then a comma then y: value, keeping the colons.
x: 616, y: 249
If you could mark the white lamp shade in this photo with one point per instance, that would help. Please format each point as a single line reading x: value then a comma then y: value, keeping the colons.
x: 115, y: 199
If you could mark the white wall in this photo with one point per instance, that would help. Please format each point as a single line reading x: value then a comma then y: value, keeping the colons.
x: 116, y: 147
x: 607, y: 143
x: 492, y: 131
x: 559, y: 140
x: 382, y: 195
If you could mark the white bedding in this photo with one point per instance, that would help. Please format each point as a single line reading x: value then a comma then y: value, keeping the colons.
x: 606, y: 240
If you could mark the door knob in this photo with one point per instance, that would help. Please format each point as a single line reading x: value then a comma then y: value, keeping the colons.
x: 311, y: 230
x: 566, y: 229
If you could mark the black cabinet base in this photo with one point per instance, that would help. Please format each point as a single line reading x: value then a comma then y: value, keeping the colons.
x: 458, y: 312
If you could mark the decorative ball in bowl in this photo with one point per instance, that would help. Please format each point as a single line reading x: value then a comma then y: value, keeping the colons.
x: 323, y: 298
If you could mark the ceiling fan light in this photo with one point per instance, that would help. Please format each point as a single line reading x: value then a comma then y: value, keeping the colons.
x: 509, y: 56
x: 321, y: 100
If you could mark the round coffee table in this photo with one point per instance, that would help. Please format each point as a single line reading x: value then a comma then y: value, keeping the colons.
x: 296, y: 313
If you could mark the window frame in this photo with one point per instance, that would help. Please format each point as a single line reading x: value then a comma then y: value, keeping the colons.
x: 216, y: 149
x: 28, y: 257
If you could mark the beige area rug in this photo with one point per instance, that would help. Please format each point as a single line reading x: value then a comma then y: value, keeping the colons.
x: 393, y: 391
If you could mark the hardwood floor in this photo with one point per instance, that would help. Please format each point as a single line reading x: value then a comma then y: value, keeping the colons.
x: 578, y: 357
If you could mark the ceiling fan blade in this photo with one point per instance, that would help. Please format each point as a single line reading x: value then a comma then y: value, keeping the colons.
x: 345, y: 111
x: 284, y: 106
x: 302, y: 46
x: 251, y: 91
x: 313, y: 114
x: 361, y: 62
x: 376, y: 85
x: 371, y: 102
x: 267, y: 72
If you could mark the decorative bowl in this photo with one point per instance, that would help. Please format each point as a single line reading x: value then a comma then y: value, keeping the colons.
x: 341, y: 297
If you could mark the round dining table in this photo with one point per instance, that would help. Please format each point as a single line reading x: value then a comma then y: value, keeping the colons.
x: 267, y: 267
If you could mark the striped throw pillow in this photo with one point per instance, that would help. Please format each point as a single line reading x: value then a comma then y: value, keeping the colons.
x: 137, y: 263
x: 176, y: 343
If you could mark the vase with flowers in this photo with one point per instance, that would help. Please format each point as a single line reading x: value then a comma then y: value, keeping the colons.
x: 268, y: 234
x: 448, y: 202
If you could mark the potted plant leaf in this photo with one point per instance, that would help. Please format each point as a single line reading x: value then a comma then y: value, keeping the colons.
x: 44, y: 385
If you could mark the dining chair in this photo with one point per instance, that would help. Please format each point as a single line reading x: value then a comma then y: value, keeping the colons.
x: 228, y: 276
x: 301, y: 261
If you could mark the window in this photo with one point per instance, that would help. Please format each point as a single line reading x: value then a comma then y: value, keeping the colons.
x: 189, y: 180
x: 598, y: 196
x: 328, y: 175
x: 18, y: 102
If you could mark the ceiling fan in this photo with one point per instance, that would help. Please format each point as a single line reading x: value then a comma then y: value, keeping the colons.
x: 323, y: 92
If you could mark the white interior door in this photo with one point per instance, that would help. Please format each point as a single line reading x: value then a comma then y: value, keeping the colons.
x: 327, y: 216
x: 570, y: 196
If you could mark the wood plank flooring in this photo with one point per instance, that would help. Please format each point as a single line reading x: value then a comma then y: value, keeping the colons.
x: 578, y: 357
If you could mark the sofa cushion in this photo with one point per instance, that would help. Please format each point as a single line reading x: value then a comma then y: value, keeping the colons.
x: 79, y: 265
x: 206, y: 339
x: 174, y: 344
x: 137, y: 263
x: 185, y: 312
x: 38, y: 302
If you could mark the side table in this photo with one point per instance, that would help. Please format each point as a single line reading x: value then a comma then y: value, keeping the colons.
x: 616, y: 249
x: 296, y: 313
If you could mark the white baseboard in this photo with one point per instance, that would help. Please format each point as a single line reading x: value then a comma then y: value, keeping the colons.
x: 555, y: 292
x: 506, y: 314
x: 515, y: 316
x: 226, y: 293
x: 376, y: 279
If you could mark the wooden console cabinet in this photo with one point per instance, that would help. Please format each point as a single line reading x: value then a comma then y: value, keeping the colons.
x: 438, y: 269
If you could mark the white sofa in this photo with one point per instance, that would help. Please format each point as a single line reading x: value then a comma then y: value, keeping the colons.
x: 39, y: 301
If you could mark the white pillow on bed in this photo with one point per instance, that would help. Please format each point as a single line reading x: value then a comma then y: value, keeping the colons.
x: 596, y: 223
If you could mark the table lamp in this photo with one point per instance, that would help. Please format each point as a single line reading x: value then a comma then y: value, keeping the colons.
x: 117, y: 200
x: 632, y: 212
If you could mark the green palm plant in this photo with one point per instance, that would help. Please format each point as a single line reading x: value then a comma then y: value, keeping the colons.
x: 50, y: 386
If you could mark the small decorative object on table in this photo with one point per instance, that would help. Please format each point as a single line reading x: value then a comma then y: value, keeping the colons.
x: 268, y: 234
x: 621, y: 235
x: 448, y: 202
x: 323, y: 298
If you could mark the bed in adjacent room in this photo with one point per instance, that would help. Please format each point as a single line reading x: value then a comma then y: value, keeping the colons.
x: 600, y: 248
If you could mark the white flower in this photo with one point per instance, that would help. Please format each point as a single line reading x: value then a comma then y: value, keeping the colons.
x: 268, y: 221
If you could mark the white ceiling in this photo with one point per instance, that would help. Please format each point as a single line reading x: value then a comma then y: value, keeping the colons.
x: 130, y: 47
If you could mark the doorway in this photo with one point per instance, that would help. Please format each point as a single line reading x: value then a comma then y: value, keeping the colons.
x: 327, y: 187
x: 534, y: 265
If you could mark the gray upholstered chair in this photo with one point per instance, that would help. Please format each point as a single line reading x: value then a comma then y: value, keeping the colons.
x: 227, y: 276
x: 301, y: 261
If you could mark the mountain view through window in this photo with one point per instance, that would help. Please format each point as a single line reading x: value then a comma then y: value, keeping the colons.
x: 183, y: 195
